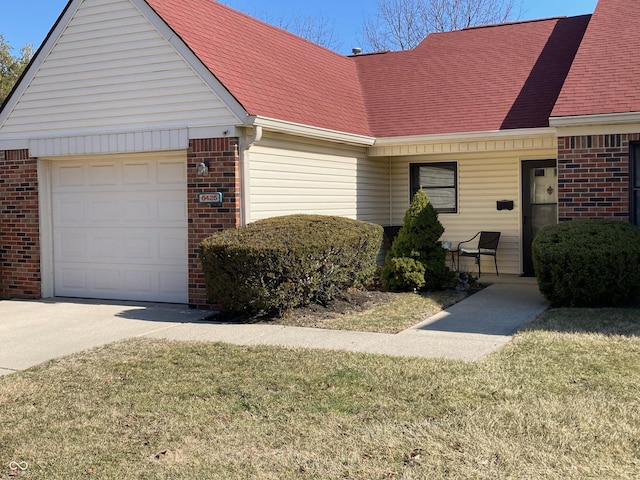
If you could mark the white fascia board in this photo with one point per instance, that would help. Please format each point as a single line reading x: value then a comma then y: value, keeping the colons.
x: 187, y: 132
x: 14, y: 144
x: 465, y: 137
x: 301, y: 130
x: 592, y: 120
x: 192, y: 60
x: 38, y: 59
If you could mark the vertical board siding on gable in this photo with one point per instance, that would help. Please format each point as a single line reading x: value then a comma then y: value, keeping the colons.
x: 482, y: 179
x: 317, y: 179
x: 111, y: 69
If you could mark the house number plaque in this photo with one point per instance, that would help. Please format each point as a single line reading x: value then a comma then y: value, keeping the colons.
x: 214, y: 198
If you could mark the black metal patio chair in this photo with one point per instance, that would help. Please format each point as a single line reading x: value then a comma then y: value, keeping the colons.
x: 487, y: 245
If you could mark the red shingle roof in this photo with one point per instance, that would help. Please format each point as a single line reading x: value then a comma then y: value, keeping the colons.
x: 271, y: 72
x: 605, y: 76
x: 480, y: 79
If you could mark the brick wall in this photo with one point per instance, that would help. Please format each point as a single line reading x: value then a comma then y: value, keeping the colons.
x: 224, y: 176
x: 19, y: 226
x: 593, y: 176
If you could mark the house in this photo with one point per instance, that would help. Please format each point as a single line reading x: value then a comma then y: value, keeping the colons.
x: 143, y: 126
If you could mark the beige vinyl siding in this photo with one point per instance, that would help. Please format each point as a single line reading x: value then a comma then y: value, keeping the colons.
x: 112, y: 70
x: 288, y: 177
x: 482, y: 180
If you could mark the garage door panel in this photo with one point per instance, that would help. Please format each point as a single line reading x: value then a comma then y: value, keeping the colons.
x: 135, y: 245
x: 105, y: 246
x: 139, y: 210
x: 71, y: 247
x: 133, y: 176
x: 172, y: 247
x: 108, y: 282
x: 171, y: 283
x: 139, y: 247
x: 120, y: 228
x: 157, y: 210
x: 69, y: 210
x: 171, y: 210
x: 103, y: 175
x: 140, y: 281
x: 103, y: 280
x: 71, y: 279
x: 137, y: 174
x: 68, y: 176
x: 171, y: 173
x: 103, y: 211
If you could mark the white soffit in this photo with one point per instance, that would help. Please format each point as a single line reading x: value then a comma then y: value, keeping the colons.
x: 130, y: 142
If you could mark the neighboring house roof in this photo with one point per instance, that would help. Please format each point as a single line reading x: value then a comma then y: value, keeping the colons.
x: 478, y: 79
x: 605, y: 76
x: 271, y: 72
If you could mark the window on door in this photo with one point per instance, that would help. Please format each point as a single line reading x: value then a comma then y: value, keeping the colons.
x: 634, y: 186
x: 439, y: 181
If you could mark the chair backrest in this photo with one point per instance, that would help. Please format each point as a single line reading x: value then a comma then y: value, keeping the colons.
x: 489, y: 240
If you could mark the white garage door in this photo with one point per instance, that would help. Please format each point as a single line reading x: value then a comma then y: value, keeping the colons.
x: 120, y: 227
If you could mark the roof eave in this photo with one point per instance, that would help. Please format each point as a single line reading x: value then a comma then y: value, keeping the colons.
x: 465, y: 136
x: 309, y: 131
x: 597, y: 119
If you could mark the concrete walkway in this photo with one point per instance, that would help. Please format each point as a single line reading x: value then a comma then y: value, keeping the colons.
x: 32, y: 332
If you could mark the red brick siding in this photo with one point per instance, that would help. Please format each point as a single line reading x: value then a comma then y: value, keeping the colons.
x: 593, y: 176
x: 224, y: 176
x: 19, y: 226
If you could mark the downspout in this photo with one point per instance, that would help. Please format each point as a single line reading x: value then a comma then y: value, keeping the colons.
x: 390, y: 192
x: 243, y: 157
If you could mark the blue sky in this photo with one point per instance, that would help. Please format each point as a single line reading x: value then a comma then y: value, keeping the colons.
x: 29, y: 21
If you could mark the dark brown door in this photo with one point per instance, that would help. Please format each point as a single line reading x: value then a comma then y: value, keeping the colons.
x: 539, y: 203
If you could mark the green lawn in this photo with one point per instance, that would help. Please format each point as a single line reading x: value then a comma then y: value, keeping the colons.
x: 561, y: 401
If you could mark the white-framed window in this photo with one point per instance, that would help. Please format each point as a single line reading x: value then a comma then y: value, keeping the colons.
x: 439, y: 180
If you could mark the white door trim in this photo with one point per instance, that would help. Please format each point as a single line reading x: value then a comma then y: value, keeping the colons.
x: 45, y: 206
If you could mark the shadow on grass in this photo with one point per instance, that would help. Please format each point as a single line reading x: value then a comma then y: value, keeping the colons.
x: 603, y: 321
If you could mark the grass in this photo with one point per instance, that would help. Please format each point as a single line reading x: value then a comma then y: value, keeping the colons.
x: 390, y: 312
x: 561, y: 401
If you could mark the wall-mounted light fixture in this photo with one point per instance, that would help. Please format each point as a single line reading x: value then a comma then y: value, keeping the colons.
x: 203, y: 168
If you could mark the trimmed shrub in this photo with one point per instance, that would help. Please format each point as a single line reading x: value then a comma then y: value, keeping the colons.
x: 416, y: 259
x: 280, y: 263
x: 588, y: 263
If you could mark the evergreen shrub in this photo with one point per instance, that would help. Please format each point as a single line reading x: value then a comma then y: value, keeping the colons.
x: 279, y: 263
x: 588, y: 263
x: 416, y: 260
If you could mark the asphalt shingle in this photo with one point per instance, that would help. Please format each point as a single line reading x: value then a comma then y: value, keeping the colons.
x: 605, y: 76
x: 479, y: 79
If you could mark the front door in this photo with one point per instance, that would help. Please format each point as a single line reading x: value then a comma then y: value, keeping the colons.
x: 539, y: 203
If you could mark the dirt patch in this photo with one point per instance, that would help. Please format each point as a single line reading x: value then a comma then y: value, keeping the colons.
x: 348, y: 303
x: 384, y: 312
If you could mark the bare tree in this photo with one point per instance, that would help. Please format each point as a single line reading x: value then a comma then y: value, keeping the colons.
x: 317, y: 29
x: 402, y: 24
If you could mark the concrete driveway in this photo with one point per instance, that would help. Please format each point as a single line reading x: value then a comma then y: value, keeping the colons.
x: 32, y: 332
